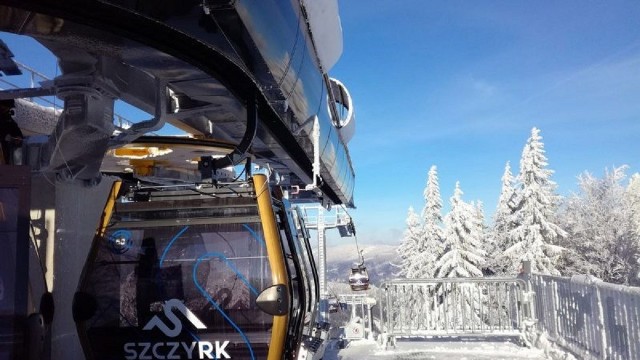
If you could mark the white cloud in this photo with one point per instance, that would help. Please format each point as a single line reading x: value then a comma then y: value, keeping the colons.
x: 483, y: 88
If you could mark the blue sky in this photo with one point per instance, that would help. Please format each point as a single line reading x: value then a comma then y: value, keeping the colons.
x: 460, y: 84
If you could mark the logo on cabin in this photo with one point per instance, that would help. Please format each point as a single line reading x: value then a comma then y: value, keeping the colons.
x: 169, y: 306
x: 172, y: 349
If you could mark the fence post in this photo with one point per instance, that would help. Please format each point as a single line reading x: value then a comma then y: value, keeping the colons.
x: 527, y: 301
x: 600, y: 313
x: 388, y: 316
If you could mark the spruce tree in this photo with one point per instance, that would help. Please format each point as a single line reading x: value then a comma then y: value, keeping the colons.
x: 430, y: 249
x: 412, y: 237
x: 478, y: 212
x: 463, y: 255
x: 481, y: 229
x: 535, y: 233
x: 502, y: 225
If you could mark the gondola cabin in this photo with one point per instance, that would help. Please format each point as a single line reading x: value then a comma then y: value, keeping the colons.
x: 181, y: 272
x: 359, y: 277
x: 333, y: 304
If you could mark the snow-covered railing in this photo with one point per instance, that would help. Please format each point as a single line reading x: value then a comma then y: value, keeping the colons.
x: 593, y: 319
x: 455, y: 306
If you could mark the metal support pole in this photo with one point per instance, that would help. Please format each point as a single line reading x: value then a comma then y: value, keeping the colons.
x: 370, y: 322
x: 322, y: 254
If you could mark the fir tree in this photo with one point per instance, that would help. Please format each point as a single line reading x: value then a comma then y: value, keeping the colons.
x: 430, y: 249
x: 534, y: 232
x: 481, y: 229
x: 478, y: 213
x: 408, y: 249
x: 502, y: 225
x: 463, y: 256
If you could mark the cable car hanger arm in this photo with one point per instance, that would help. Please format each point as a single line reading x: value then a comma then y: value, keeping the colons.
x: 207, y: 165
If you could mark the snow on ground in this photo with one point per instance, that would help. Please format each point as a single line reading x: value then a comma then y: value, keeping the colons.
x: 438, y: 349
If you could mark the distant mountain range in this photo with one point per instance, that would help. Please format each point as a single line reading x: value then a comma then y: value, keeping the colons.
x: 382, y: 262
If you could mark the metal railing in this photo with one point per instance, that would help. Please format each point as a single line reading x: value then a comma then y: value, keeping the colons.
x: 34, y: 78
x: 593, y: 319
x: 455, y: 306
x: 337, y: 218
x: 360, y: 324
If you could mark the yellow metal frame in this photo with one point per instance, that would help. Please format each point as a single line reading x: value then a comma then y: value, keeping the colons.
x: 108, y: 207
x: 276, y: 261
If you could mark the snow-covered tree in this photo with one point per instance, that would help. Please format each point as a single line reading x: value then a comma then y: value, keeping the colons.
x: 484, y: 235
x: 422, y: 243
x: 633, y: 196
x: 502, y: 225
x: 411, y: 240
x: 502, y: 218
x: 430, y: 248
x: 535, y: 234
x: 463, y: 255
x: 479, y: 221
x: 602, y: 240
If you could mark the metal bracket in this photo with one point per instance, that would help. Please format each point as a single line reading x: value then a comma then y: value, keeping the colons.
x: 141, y: 128
x: 208, y: 165
x: 274, y: 300
x: 315, y: 135
x: 80, y: 139
x: 312, y: 343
